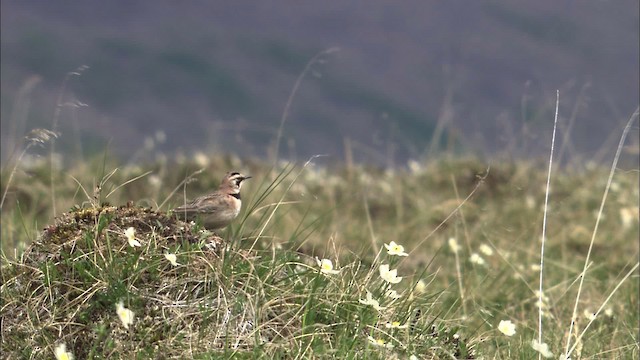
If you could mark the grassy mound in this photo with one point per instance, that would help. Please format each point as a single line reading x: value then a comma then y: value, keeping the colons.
x: 69, y: 280
x: 215, y: 301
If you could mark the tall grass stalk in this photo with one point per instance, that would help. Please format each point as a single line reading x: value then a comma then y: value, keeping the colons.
x: 128, y: 182
x: 566, y: 138
x: 182, y: 184
x: 56, y: 116
x: 445, y: 115
x: 544, y: 222
x: 475, y: 188
x: 463, y: 300
x: 294, y: 90
x: 467, y: 241
x: 281, y: 200
x: 604, y: 303
x: 367, y: 212
x: 19, y: 115
x: 593, y: 235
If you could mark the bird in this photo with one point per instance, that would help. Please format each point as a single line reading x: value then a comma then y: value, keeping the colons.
x: 218, y: 209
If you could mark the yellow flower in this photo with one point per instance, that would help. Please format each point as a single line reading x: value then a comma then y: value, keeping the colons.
x: 380, y: 342
x: 395, y: 249
x: 326, y: 266
x: 172, y: 259
x: 126, y: 316
x: 396, y: 325
x: 130, y: 233
x: 371, y: 301
x: 507, y: 327
x: 542, y: 348
x: 62, y: 353
x: 390, y: 276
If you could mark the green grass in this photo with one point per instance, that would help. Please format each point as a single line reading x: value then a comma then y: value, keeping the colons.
x: 255, y: 289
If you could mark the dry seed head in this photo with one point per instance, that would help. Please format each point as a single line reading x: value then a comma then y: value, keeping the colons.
x: 40, y: 136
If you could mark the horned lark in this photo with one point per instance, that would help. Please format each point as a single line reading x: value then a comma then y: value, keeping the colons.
x: 219, y: 208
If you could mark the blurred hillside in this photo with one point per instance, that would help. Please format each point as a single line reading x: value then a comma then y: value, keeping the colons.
x: 217, y: 75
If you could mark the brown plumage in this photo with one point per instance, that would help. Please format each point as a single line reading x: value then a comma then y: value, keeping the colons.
x: 217, y: 209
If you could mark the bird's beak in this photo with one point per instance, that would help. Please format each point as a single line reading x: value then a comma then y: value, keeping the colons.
x: 246, y: 177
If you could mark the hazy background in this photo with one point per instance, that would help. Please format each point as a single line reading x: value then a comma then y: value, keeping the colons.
x: 475, y: 76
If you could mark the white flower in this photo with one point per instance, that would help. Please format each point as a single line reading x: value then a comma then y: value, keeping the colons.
x: 126, y: 316
x: 507, y: 327
x: 609, y: 312
x: 589, y: 315
x: 149, y: 143
x: 486, y: 249
x: 380, y: 342
x: 477, y: 259
x: 371, y: 301
x: 453, y: 244
x: 172, y: 259
x: 542, y: 295
x: 530, y: 201
x: 201, y: 159
x: 414, y: 166
x: 390, y: 276
x: 542, y: 348
x: 62, y: 353
x: 130, y: 233
x: 628, y: 216
x: 534, y: 267
x: 326, y: 266
x: 542, y: 305
x: 155, y: 181
x: 160, y: 136
x: 393, y: 294
x: 615, y: 187
x: 395, y: 249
